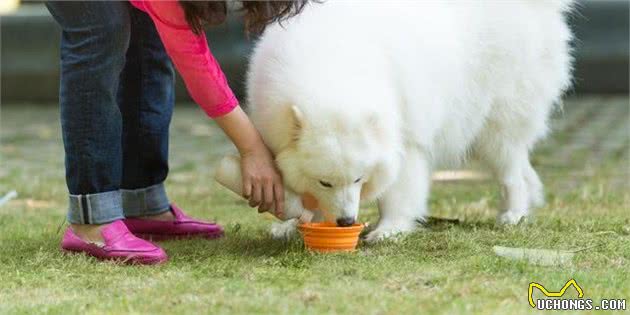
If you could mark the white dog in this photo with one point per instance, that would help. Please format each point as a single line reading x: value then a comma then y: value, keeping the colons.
x: 360, y: 100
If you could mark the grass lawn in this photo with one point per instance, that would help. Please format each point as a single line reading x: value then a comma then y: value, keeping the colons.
x: 446, y: 269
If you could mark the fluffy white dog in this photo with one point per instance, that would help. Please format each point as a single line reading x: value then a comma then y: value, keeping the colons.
x: 361, y: 100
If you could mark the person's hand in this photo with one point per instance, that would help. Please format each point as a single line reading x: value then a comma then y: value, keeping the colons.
x: 262, y: 183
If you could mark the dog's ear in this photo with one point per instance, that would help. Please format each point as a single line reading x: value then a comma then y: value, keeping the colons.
x: 297, y: 123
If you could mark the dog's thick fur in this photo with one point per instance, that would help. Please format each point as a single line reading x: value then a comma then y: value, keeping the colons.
x: 368, y: 97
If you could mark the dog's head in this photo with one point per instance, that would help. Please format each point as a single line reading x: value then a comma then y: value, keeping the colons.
x: 339, y: 162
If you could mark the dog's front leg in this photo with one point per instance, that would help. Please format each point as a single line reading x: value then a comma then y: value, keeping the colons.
x: 285, y: 229
x: 293, y: 208
x: 405, y: 202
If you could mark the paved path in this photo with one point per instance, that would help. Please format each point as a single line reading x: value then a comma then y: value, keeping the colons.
x: 590, y: 137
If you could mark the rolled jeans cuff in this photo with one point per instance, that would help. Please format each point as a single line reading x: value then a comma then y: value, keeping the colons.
x: 96, y: 208
x: 145, y: 201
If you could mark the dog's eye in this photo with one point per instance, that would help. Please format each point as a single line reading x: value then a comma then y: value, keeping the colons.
x: 325, y: 184
x: 357, y: 180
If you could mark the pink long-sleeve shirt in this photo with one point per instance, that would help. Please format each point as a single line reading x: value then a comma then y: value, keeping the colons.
x: 191, y: 55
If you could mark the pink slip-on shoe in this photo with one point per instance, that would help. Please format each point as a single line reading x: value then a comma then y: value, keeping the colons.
x: 118, y: 244
x: 182, y: 227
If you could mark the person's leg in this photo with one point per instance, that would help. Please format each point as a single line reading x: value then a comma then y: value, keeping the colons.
x: 145, y: 97
x: 146, y: 102
x: 95, y: 36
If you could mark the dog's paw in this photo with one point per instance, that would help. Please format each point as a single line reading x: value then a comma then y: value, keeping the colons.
x: 511, y: 218
x: 284, y: 230
x: 390, y: 231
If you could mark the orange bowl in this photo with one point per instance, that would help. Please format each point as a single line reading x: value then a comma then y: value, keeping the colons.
x: 328, y: 237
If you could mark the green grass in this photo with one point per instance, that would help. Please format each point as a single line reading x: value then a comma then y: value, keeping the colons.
x: 446, y: 269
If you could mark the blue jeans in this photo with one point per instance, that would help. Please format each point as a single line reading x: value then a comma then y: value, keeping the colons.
x: 116, y: 98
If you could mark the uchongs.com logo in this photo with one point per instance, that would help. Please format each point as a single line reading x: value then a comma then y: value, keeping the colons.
x: 556, y: 300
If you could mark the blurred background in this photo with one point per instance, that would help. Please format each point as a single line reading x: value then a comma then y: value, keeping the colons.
x: 30, y: 51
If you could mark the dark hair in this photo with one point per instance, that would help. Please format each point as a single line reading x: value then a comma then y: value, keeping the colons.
x: 257, y: 14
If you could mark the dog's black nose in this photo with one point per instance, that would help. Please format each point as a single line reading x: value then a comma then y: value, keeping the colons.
x: 345, y: 221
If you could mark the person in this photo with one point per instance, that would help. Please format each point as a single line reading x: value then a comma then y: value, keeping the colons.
x: 116, y: 99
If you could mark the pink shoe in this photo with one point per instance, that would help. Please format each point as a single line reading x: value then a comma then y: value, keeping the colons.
x: 182, y: 227
x: 118, y: 244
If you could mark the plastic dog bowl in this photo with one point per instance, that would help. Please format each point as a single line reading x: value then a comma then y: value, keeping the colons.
x: 328, y: 237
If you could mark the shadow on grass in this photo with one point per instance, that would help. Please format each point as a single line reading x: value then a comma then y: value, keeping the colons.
x: 484, y: 225
x: 241, y: 242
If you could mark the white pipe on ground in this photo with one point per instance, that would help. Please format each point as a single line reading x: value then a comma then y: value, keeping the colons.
x: 228, y: 174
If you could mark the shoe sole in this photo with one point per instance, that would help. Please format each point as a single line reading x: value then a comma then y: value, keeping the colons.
x: 166, y: 237
x: 133, y: 260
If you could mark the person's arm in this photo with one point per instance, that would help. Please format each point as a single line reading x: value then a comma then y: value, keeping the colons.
x: 192, y: 57
x: 206, y: 83
x: 262, y: 183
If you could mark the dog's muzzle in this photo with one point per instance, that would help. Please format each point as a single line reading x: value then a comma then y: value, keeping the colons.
x: 345, y: 221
